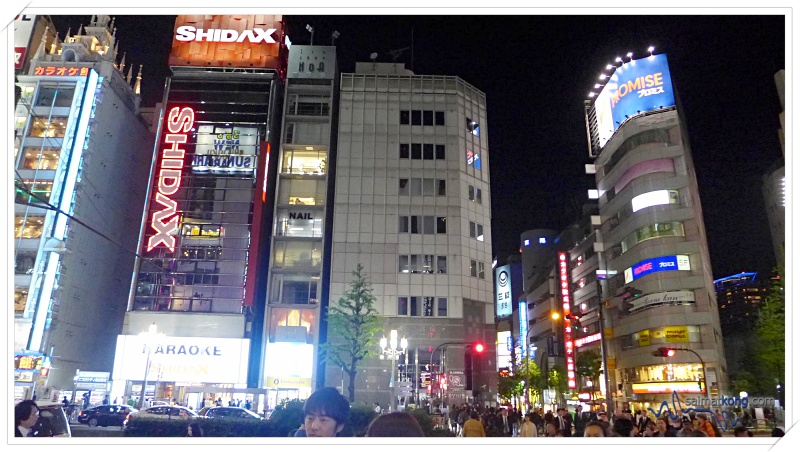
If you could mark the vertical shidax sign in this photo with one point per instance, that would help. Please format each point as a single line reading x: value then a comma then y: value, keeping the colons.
x: 566, y: 302
x: 164, y: 222
x: 502, y: 285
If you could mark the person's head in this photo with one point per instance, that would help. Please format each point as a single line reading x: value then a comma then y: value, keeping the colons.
x: 326, y: 412
x: 742, y: 432
x: 194, y: 430
x: 473, y: 415
x: 602, y: 416
x: 698, y: 433
x: 650, y: 426
x: 26, y: 413
x: 777, y: 432
x: 394, y: 424
x: 623, y: 426
x: 552, y: 428
x: 579, y: 408
x: 594, y: 429
x: 529, y: 417
x: 687, y: 425
x: 703, y: 418
x: 661, y: 425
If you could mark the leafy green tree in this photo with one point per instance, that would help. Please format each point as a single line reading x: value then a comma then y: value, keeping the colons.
x: 531, y: 377
x: 557, y: 379
x: 588, y: 364
x: 509, y: 387
x: 770, y: 335
x: 353, y: 325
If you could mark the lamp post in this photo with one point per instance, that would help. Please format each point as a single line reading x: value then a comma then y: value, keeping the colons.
x: 389, y: 349
x: 149, y: 337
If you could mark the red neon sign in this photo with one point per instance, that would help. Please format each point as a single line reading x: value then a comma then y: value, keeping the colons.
x: 566, y: 299
x: 179, y: 121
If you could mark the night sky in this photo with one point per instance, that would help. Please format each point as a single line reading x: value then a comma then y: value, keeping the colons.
x: 536, y: 72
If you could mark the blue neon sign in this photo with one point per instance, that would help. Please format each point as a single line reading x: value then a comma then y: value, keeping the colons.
x: 523, y: 327
x: 657, y: 264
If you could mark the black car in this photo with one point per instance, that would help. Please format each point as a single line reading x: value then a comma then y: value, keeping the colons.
x: 105, y: 415
x: 229, y: 412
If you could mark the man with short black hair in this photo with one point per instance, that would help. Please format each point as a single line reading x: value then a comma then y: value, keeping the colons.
x: 326, y: 413
x: 26, y: 414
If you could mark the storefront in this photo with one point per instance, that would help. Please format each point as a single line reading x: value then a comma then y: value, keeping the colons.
x: 184, y: 369
x: 290, y: 371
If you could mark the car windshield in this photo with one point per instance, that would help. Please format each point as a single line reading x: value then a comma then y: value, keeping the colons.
x: 52, y: 422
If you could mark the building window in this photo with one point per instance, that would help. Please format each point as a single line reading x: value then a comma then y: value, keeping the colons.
x: 427, y: 151
x: 416, y: 151
x: 442, y: 311
x: 427, y: 306
x: 441, y: 225
x: 416, y: 117
x: 20, y: 298
x: 441, y: 264
x: 472, y: 229
x: 405, y: 117
x: 415, y: 224
x: 473, y: 127
x: 28, y: 227
x: 427, y: 263
x: 402, y: 306
x: 427, y: 224
x: 481, y: 273
x: 403, y: 188
x: 439, y: 152
x: 404, y: 151
x: 291, y: 289
x: 40, y: 188
x: 43, y: 158
x: 416, y: 186
x: 23, y: 262
x: 290, y: 133
x: 478, y: 197
x: 439, y: 118
x: 403, y: 265
x: 303, y: 162
x: 473, y: 159
x: 427, y: 118
x: 480, y: 233
x: 441, y: 187
x: 427, y: 187
x: 414, y: 308
x: 55, y: 128
x: 55, y: 96
x: 473, y: 268
x: 403, y: 226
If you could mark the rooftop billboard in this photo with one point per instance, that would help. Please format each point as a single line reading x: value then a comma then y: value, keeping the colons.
x: 635, y: 87
x: 250, y: 41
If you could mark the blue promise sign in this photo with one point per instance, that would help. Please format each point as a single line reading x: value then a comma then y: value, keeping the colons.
x: 635, y: 87
x: 657, y: 264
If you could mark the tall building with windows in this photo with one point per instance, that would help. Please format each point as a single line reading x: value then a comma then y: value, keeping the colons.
x: 413, y: 206
x: 207, y: 208
x: 652, y: 237
x: 78, y: 132
x: 300, y: 248
x: 774, y: 188
x: 739, y: 298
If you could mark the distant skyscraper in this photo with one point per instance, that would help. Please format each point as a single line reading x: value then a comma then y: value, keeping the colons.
x: 412, y: 205
x: 774, y: 187
x: 82, y: 146
x: 653, y: 239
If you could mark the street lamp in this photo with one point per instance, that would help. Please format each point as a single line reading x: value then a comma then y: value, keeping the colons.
x: 149, y: 337
x: 389, y: 349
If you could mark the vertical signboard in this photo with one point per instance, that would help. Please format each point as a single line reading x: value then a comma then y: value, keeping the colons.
x: 566, y: 303
x: 523, y: 328
x: 502, y: 285
x: 23, y: 30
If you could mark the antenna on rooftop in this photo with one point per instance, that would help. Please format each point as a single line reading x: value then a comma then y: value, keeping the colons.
x: 396, y: 53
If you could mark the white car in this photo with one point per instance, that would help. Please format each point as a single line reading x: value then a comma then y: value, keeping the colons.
x: 165, y: 412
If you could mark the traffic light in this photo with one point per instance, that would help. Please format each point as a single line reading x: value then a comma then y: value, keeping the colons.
x: 575, y: 323
x: 628, y: 294
x: 478, y: 347
x: 664, y: 352
x: 443, y: 382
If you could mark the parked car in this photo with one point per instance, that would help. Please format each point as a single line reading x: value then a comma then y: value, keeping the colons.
x: 164, y: 412
x: 229, y: 412
x: 52, y: 420
x: 105, y: 415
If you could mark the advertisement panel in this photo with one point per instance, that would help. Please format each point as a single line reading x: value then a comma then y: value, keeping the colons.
x: 290, y: 360
x: 592, y: 338
x: 644, y: 338
x: 195, y: 359
x: 91, y: 380
x: 502, y: 287
x: 636, y: 87
x: 504, y: 345
x: 668, y: 387
x: 662, y: 299
x: 676, y: 334
x: 523, y: 328
x: 317, y: 62
x: 251, y: 41
x: 657, y: 264
x: 224, y: 149
x: 23, y: 30
x: 566, y: 304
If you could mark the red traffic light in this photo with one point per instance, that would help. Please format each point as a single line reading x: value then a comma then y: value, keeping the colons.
x: 665, y: 352
x: 478, y: 347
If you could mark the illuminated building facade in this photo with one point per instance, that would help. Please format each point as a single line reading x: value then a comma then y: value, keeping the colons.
x: 652, y: 238
x: 413, y: 205
x: 78, y: 132
x: 300, y: 258
x: 774, y: 188
x: 739, y: 298
x: 207, y: 207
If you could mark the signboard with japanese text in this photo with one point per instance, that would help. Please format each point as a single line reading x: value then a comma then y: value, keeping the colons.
x: 62, y: 71
x: 565, y: 296
x: 657, y: 264
x: 504, y: 308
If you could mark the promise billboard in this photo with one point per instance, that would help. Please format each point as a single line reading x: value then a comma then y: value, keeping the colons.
x: 636, y: 87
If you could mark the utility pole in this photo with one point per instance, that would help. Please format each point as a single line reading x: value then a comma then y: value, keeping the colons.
x: 600, y: 309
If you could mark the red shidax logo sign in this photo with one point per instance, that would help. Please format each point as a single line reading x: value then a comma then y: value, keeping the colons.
x: 164, y: 222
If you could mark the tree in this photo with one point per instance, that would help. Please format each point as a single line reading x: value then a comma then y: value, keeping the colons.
x: 509, y: 387
x: 557, y: 379
x: 770, y: 335
x: 588, y: 364
x: 530, y: 376
x: 353, y: 324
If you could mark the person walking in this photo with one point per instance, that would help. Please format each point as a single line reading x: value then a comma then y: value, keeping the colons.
x: 705, y: 425
x: 473, y: 427
x: 581, y: 419
x: 528, y: 428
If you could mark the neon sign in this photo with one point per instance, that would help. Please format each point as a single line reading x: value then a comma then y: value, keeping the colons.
x: 566, y: 302
x: 59, y: 71
x: 165, y: 221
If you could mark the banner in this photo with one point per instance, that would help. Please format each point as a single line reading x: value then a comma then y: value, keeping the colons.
x: 676, y: 334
